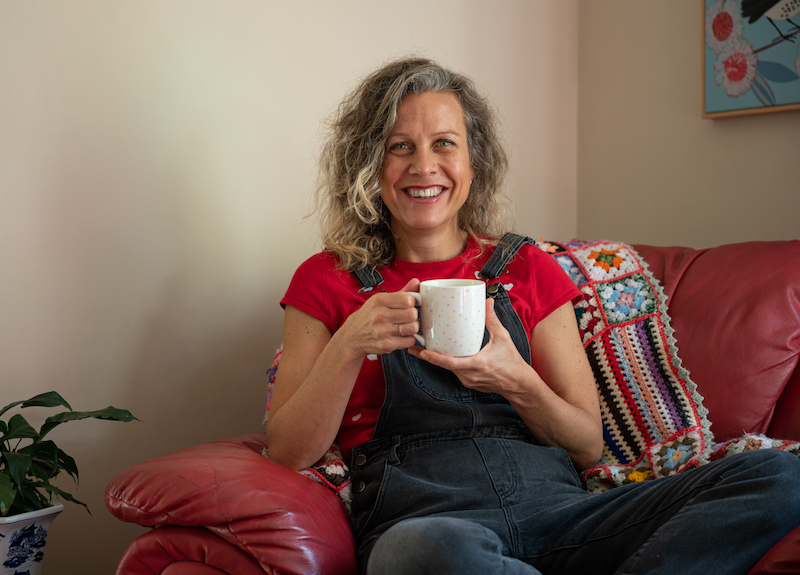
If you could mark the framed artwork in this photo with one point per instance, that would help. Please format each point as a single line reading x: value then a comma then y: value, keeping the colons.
x: 751, y: 57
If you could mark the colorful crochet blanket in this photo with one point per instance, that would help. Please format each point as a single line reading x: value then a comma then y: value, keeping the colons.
x: 751, y: 441
x: 654, y: 422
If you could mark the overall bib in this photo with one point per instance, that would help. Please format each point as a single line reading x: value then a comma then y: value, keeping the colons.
x: 440, y: 449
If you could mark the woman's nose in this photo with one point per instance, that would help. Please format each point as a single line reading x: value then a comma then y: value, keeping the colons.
x: 423, y: 162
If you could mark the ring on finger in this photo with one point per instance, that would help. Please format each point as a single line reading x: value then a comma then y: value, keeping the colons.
x: 399, y: 331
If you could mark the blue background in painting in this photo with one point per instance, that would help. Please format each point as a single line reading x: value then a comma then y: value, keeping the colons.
x: 761, y: 33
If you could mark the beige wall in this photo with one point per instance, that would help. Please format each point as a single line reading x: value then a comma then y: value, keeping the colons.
x: 650, y: 169
x: 156, y: 159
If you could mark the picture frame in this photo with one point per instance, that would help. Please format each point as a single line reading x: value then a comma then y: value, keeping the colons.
x: 751, y: 57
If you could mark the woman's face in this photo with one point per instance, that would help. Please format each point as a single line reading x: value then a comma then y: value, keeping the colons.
x: 426, y: 168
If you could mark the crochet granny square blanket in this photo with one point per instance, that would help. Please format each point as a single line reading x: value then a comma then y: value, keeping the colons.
x: 654, y: 422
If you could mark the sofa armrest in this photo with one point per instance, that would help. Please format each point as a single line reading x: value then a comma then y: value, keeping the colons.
x: 286, y: 521
x: 185, y: 551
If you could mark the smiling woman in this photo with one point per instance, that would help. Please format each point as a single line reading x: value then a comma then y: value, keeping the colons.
x: 354, y: 218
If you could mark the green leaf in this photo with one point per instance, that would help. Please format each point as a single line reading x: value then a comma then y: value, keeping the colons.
x: 18, y: 466
x: 49, y: 456
x: 66, y: 463
x: 7, y: 493
x: 19, y: 428
x: 49, y: 399
x: 59, y: 493
x: 9, y: 406
x: 29, y: 498
x: 109, y: 413
x: 45, y: 455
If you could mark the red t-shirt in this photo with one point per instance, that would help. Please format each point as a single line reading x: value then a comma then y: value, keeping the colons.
x: 536, y: 285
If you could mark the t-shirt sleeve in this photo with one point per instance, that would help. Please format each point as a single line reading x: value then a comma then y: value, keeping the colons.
x: 324, y: 291
x: 308, y: 289
x: 557, y: 285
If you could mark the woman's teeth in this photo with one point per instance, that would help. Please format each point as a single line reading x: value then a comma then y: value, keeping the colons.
x: 424, y: 192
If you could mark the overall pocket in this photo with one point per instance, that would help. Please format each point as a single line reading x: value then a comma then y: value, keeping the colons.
x: 442, y: 384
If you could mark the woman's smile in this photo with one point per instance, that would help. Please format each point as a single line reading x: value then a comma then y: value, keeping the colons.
x: 431, y: 192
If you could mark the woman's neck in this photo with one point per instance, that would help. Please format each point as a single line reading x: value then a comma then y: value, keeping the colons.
x: 421, y: 248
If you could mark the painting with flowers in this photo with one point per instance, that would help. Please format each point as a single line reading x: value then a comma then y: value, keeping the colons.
x: 751, y: 56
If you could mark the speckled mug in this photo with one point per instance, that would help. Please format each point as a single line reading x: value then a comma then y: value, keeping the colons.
x: 453, y: 315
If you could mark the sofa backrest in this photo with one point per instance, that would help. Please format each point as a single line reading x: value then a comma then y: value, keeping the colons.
x: 735, y: 310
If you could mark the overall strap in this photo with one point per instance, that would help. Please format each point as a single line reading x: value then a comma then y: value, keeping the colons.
x: 368, y: 277
x: 508, y: 247
x: 505, y: 252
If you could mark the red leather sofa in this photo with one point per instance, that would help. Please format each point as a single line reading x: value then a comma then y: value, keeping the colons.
x: 225, y: 508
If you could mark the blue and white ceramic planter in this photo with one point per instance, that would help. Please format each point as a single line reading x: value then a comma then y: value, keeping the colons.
x: 22, y: 539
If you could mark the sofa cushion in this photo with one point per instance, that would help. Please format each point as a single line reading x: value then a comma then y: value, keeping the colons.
x: 745, y: 300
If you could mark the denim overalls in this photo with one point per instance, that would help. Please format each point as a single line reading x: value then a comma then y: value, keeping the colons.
x: 441, y: 449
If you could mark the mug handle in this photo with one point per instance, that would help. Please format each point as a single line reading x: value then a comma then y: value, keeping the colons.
x: 418, y: 298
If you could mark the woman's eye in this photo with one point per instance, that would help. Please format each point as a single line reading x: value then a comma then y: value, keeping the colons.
x: 398, y: 147
x: 446, y: 143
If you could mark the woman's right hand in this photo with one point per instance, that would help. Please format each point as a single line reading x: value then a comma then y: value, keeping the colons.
x: 385, y: 323
x: 318, y: 371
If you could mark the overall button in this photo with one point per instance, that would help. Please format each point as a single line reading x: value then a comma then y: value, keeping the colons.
x: 360, y: 459
x: 360, y: 486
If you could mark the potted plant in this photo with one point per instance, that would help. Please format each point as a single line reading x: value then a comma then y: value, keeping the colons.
x: 28, y: 464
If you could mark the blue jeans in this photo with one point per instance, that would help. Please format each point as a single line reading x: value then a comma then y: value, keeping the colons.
x: 720, y: 518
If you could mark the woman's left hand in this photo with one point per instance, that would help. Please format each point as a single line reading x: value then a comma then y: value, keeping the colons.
x: 494, y: 369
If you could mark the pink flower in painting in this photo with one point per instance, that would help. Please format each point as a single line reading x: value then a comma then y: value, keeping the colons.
x: 723, y: 23
x: 736, y: 67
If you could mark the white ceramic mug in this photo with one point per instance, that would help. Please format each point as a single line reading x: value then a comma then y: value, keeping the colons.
x: 453, y: 315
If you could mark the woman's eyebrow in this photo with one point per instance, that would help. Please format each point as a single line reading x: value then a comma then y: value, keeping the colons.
x: 436, y: 135
x: 448, y: 133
